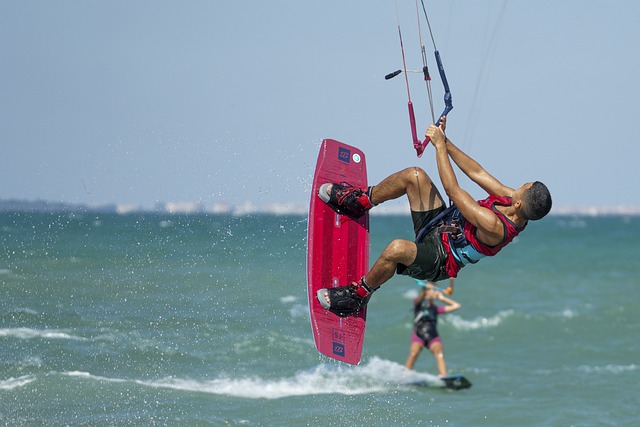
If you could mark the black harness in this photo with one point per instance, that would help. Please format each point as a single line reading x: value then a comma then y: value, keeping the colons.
x: 446, y: 227
x: 448, y: 221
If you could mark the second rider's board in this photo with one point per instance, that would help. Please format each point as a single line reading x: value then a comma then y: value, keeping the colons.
x: 452, y: 382
x: 337, y: 252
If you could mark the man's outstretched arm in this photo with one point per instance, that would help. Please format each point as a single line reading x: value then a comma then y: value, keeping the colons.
x: 476, y: 172
x: 484, y: 219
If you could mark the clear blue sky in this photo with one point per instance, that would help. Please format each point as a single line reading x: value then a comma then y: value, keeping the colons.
x: 228, y: 101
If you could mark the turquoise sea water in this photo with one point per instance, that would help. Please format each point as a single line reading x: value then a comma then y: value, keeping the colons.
x: 150, y: 319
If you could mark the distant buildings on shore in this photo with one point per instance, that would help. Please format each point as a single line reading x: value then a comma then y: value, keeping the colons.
x: 248, y: 208
x: 182, y: 207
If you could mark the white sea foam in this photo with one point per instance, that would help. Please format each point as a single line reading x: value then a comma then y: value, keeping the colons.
x: 299, y: 311
x: 87, y: 375
x: 479, y: 323
x: 27, y: 333
x: 21, y: 310
x: 411, y: 294
x: 568, y: 313
x: 609, y: 369
x: 296, y: 311
x: 376, y: 376
x: 288, y: 299
x: 11, y: 383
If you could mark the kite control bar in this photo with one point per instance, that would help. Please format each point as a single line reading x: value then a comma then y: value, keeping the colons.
x: 448, y: 101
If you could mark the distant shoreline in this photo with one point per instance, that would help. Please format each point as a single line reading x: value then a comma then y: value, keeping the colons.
x: 248, y: 208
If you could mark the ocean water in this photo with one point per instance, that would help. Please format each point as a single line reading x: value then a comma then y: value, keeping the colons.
x: 149, y: 319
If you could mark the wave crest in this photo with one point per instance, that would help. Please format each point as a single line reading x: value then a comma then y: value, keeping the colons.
x: 28, y: 333
x: 479, y: 323
x: 376, y: 376
x: 11, y: 383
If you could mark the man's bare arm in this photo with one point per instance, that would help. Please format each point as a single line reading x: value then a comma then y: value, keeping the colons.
x: 476, y: 172
x: 485, y: 220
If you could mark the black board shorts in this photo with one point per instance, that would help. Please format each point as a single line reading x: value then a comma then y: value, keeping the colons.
x: 431, y: 259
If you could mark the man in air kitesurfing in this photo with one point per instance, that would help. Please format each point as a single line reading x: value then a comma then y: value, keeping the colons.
x: 447, y: 239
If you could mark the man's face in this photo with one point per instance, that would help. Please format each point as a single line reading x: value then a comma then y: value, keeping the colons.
x: 517, y: 195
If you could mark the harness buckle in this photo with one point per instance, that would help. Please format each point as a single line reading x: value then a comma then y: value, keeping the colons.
x: 454, y: 229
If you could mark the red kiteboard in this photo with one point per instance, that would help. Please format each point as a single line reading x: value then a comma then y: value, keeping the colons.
x: 337, y: 252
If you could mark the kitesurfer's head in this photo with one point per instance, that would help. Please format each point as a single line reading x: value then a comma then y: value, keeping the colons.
x: 535, y: 200
x: 430, y: 293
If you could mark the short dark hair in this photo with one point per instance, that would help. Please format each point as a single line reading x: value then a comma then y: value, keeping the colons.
x: 537, y: 201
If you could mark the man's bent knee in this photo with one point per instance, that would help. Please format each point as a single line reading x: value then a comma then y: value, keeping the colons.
x: 400, y: 251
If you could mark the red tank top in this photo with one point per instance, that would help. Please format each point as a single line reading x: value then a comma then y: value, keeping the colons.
x: 510, y: 232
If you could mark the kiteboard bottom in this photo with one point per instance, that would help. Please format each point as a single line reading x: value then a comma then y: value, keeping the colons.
x: 452, y: 382
x: 337, y: 253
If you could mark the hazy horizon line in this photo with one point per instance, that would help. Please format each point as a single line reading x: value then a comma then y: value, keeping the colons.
x: 249, y: 207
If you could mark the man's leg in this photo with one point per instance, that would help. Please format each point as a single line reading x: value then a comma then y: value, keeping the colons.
x: 397, y: 252
x: 423, y: 196
x: 415, y: 183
